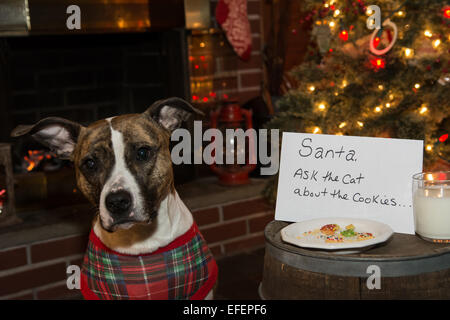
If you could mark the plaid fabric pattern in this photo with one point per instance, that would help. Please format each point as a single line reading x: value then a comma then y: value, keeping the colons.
x: 174, y: 274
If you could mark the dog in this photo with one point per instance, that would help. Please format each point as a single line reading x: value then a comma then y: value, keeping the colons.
x: 144, y: 243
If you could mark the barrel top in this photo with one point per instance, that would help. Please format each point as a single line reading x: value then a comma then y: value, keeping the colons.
x: 398, y: 247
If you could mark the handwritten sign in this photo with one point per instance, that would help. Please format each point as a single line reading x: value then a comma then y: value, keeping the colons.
x: 340, y: 176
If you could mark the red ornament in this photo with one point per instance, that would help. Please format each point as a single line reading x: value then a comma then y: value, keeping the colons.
x: 378, y: 63
x: 343, y: 35
x: 376, y: 42
x: 447, y: 12
x: 443, y: 138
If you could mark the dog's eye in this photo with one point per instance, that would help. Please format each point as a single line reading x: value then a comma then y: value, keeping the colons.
x: 90, y: 164
x: 143, y: 154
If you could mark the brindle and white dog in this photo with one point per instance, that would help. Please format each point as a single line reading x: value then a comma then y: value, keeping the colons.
x: 123, y: 166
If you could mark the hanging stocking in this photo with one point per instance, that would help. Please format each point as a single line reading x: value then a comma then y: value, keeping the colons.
x: 232, y: 16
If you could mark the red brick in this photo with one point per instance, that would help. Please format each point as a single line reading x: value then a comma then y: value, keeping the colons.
x: 255, y: 26
x: 255, y: 62
x: 58, y: 248
x: 249, y: 243
x: 259, y: 223
x: 246, y: 96
x: 253, y: 7
x: 206, y: 216
x: 13, y: 258
x: 76, y: 262
x: 251, y: 79
x: 216, y: 251
x: 229, y: 63
x: 245, y: 208
x: 58, y: 292
x: 32, y: 278
x: 226, y: 83
x: 256, y: 44
x: 224, y: 231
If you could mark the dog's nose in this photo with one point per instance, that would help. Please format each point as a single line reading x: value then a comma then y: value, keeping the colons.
x: 118, y: 203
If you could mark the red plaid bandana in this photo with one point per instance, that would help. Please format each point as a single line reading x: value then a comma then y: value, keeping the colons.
x: 184, y: 269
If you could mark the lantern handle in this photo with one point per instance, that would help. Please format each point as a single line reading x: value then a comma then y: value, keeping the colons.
x: 252, y: 146
x: 214, y: 115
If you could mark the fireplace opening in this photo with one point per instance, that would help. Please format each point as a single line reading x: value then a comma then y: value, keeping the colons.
x: 82, y: 78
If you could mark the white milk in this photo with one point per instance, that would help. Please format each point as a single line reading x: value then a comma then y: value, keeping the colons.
x: 432, y: 212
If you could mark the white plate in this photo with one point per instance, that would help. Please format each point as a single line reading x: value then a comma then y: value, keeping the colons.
x: 380, y: 231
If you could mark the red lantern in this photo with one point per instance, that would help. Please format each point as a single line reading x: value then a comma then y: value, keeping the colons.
x: 231, y: 116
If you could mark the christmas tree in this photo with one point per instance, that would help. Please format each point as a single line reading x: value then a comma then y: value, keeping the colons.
x: 360, y: 80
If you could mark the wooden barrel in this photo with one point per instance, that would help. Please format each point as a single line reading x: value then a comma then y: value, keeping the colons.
x: 410, y: 268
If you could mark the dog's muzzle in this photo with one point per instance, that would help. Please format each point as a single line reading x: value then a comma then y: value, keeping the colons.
x: 122, y: 212
x: 119, y: 204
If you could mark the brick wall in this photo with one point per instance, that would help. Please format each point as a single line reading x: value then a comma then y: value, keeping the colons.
x: 38, y: 270
x: 233, y: 227
x: 249, y: 73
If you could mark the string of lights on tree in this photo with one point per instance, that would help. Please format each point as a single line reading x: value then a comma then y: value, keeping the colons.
x: 389, y: 82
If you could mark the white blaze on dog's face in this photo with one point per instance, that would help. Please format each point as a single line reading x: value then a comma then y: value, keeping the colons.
x: 121, y: 200
x: 122, y: 164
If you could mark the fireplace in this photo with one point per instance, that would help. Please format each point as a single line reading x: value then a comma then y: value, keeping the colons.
x: 82, y: 78
x: 105, y: 69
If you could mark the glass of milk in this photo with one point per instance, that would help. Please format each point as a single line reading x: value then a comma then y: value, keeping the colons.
x: 431, y: 203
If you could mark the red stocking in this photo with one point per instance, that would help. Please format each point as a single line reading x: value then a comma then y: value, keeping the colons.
x: 232, y: 16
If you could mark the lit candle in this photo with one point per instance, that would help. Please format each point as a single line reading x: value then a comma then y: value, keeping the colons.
x: 431, y: 205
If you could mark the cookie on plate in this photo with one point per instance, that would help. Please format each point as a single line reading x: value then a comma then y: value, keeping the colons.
x: 329, y: 229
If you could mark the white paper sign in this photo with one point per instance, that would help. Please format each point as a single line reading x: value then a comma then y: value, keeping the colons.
x: 340, y: 176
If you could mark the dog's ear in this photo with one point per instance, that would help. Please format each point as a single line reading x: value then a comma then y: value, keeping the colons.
x: 59, y: 134
x: 171, y: 112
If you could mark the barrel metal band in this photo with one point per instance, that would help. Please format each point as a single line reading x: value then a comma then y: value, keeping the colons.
x: 358, y: 268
